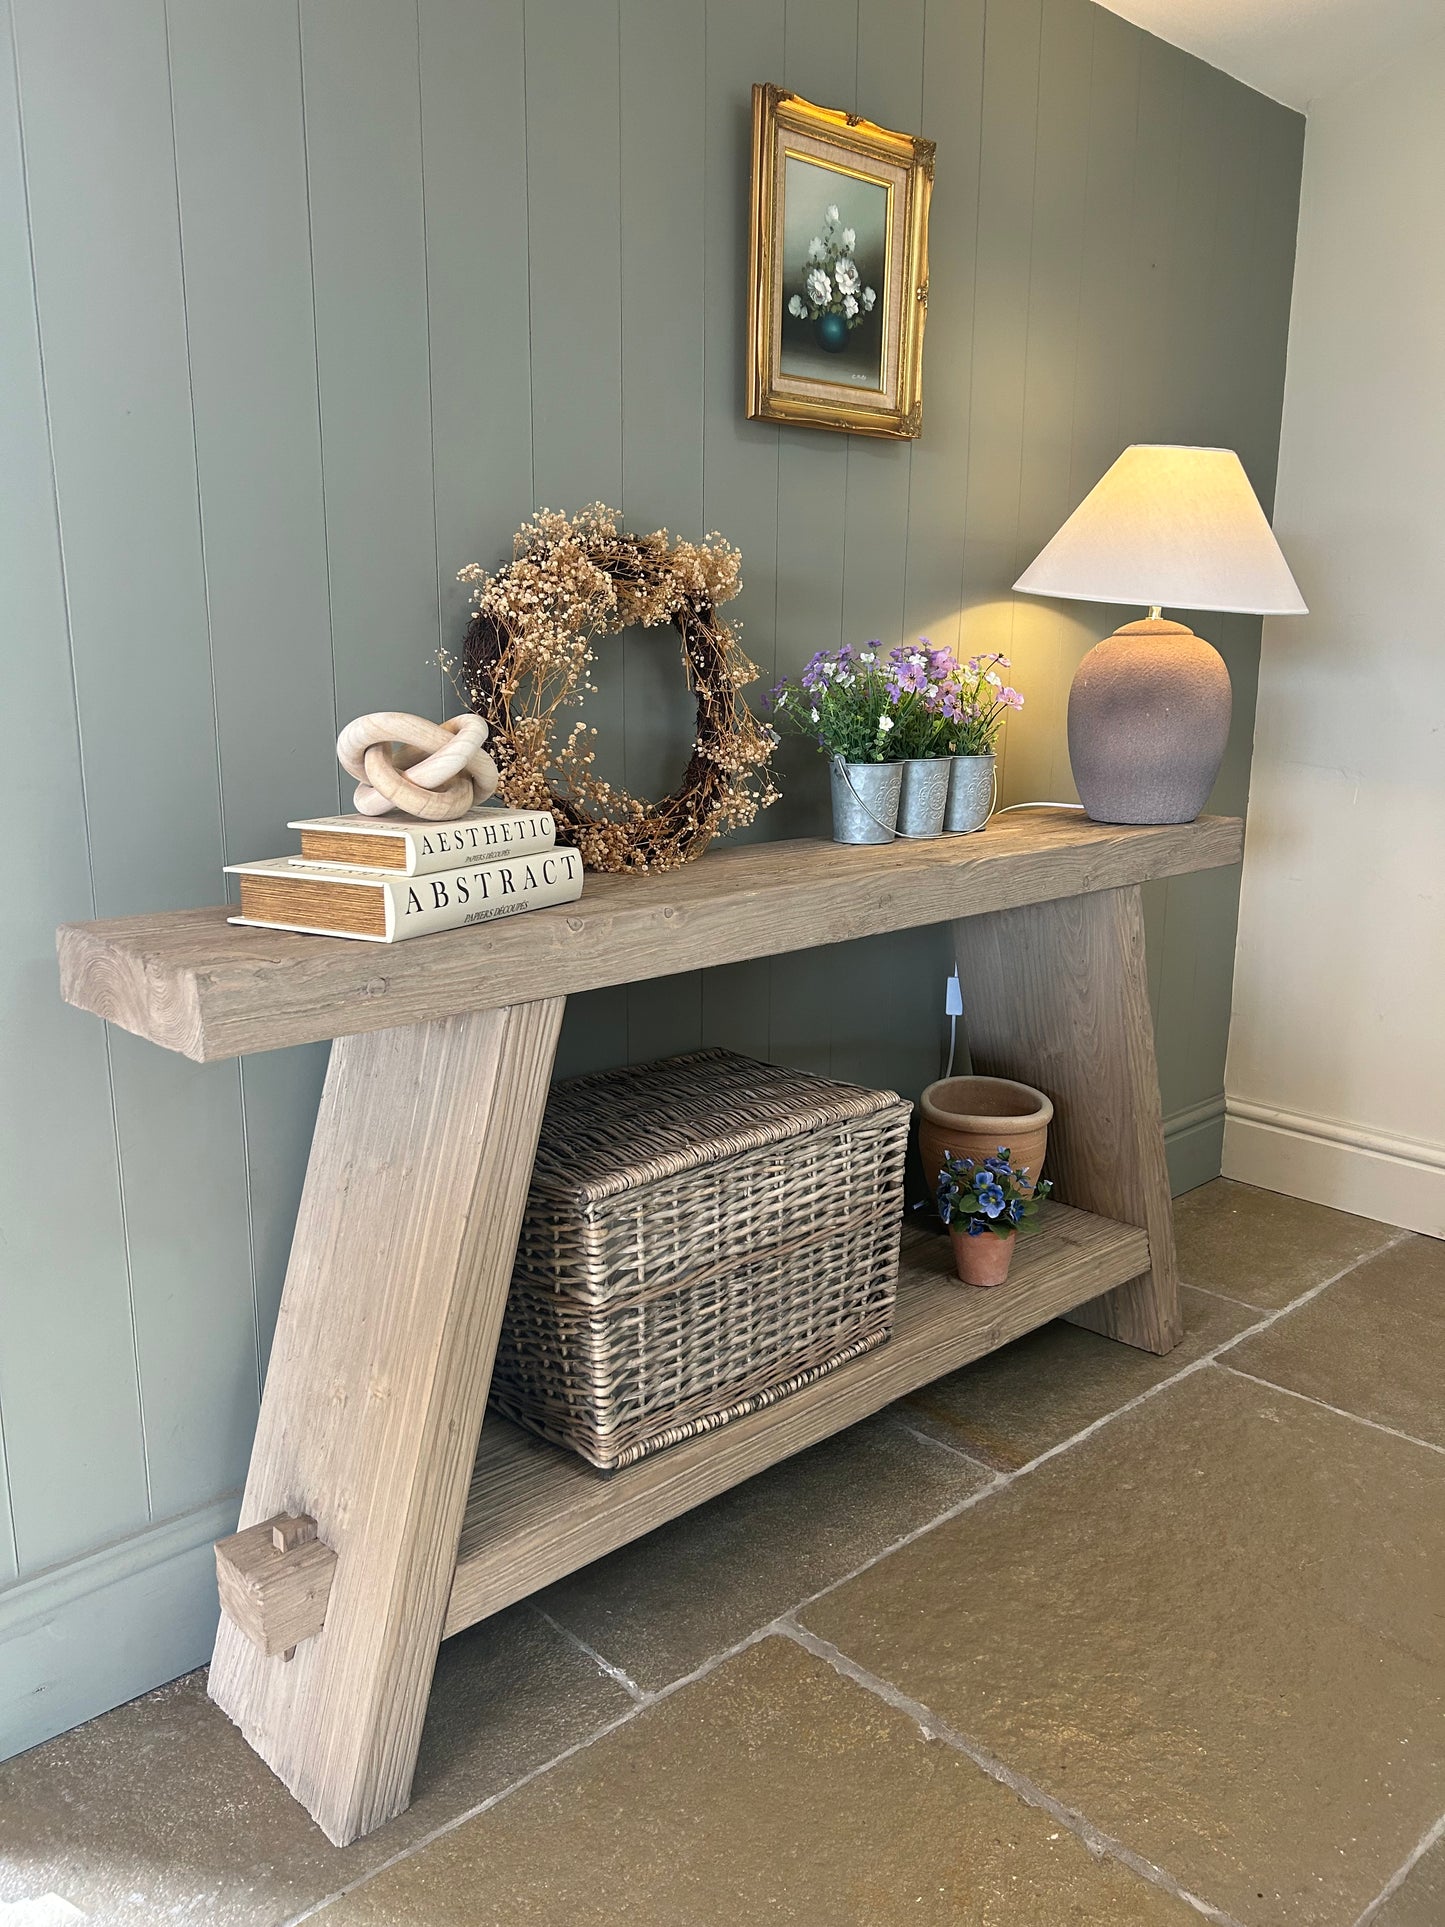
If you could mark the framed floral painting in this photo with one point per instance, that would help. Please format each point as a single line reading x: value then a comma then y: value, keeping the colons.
x: 838, y: 269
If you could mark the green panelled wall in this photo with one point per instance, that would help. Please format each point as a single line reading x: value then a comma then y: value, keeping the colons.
x: 302, y: 308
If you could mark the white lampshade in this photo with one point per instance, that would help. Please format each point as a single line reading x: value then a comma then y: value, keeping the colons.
x: 1179, y: 528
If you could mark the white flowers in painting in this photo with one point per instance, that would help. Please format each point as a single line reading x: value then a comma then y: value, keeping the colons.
x: 832, y: 283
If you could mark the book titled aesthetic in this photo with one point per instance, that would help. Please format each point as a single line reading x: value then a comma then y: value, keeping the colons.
x: 417, y: 849
x: 385, y: 909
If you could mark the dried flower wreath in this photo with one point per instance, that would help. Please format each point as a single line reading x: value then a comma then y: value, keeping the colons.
x: 529, y: 652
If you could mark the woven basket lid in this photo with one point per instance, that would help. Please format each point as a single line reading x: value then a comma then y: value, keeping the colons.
x: 615, y: 1130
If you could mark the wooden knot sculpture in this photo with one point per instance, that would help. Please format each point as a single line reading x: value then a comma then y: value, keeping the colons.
x: 433, y: 770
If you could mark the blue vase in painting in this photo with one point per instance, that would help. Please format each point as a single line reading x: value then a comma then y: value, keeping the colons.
x: 832, y: 333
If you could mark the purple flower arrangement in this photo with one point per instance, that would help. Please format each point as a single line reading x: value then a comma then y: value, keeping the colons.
x: 870, y: 707
x: 988, y: 1194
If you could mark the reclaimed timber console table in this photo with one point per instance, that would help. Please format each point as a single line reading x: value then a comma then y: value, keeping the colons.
x: 374, y: 1524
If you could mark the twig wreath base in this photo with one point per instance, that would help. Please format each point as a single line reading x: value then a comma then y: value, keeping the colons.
x: 530, y: 652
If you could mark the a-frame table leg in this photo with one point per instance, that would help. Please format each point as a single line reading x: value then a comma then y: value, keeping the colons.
x: 377, y: 1385
x: 1057, y: 994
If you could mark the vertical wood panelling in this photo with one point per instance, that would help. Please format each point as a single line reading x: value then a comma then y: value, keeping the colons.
x: 241, y: 172
x: 1196, y: 935
x: 101, y: 167
x: 574, y: 205
x: 64, y: 1292
x: 246, y: 254
x: 474, y: 157
x: 664, y: 252
x: 820, y: 62
x: 328, y: 295
x: 1101, y: 347
x: 1039, y: 634
x: 740, y: 458
x: 1001, y: 304
x: 878, y: 472
x: 361, y: 97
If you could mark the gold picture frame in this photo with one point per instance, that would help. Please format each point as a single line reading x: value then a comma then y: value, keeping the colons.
x: 837, y: 269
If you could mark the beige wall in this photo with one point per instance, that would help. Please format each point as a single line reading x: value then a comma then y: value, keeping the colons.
x: 1336, y: 1070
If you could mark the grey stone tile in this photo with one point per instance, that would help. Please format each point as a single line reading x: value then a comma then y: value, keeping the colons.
x: 159, y: 1812
x: 772, y: 1790
x: 1374, y: 1343
x: 1044, y: 1388
x: 1419, y: 1900
x: 1213, y: 1627
x: 1262, y: 1247
x: 661, y: 1606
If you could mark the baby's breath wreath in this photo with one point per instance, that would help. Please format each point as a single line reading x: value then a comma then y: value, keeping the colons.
x: 530, y: 651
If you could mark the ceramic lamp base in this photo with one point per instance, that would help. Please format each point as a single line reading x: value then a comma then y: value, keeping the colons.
x: 1148, y: 721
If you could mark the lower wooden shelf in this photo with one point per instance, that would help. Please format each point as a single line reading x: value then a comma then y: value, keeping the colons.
x: 536, y: 1513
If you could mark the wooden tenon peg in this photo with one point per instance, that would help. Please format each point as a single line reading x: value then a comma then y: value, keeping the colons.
x: 275, y: 1580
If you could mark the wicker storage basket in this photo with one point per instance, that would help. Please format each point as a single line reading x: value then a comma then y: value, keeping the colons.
x: 702, y: 1236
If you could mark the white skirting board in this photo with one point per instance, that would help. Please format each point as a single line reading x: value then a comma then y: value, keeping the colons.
x: 1376, y: 1174
x: 102, y: 1629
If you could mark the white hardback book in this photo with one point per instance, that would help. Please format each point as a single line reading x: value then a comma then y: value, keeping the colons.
x: 276, y: 895
x: 401, y: 845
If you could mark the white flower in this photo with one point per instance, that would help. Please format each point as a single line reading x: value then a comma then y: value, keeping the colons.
x: 868, y: 299
x: 867, y: 655
x: 817, y: 248
x: 845, y: 273
x: 814, y: 714
x: 995, y: 679
x: 849, y: 239
x: 798, y: 306
x: 820, y: 288
x: 833, y: 216
x: 885, y: 723
x: 850, y: 306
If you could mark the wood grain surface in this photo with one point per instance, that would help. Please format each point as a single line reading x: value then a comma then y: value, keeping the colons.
x: 274, y: 1580
x: 1058, y: 994
x: 377, y: 1383
x: 536, y: 1513
x: 194, y: 983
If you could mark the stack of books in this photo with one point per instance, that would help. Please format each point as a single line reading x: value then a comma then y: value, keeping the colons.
x: 386, y: 878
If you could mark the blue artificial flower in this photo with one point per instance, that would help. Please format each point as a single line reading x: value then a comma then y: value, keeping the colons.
x: 990, y: 1200
x: 975, y: 1229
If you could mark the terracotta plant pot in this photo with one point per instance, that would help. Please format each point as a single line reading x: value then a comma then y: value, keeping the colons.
x: 983, y: 1260
x: 973, y: 1116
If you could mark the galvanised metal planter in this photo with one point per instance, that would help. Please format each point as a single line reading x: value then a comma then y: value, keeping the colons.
x: 970, y: 794
x: 923, y: 796
x: 865, y: 801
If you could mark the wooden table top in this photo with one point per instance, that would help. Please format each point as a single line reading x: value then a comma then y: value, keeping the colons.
x: 194, y: 983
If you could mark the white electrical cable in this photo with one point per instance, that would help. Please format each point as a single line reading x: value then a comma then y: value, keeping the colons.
x: 1037, y: 806
x: 953, y: 1010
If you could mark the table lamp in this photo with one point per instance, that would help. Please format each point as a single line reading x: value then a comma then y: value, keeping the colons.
x: 1149, y: 707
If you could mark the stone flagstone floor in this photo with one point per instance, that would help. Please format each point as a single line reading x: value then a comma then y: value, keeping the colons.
x: 1076, y: 1636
